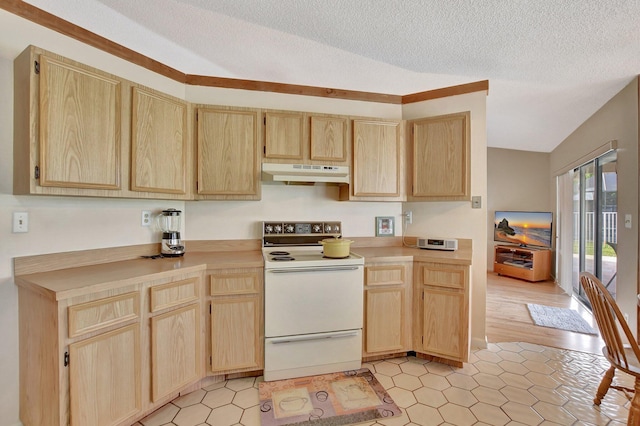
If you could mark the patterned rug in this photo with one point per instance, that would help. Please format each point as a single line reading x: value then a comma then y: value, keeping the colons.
x: 327, y: 400
x: 562, y: 318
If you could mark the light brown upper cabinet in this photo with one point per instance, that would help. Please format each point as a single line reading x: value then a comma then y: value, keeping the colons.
x: 228, y: 154
x: 159, y: 143
x: 284, y: 135
x: 67, y: 127
x: 82, y: 132
x: 377, y: 162
x: 440, y: 158
x: 305, y: 138
x: 328, y: 139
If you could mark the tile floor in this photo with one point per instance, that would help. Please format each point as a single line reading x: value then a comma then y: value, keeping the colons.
x: 506, y: 384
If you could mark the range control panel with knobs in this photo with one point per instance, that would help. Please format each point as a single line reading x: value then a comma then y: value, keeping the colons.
x: 302, y: 228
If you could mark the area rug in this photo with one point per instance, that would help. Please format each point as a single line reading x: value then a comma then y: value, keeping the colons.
x: 326, y: 400
x: 561, y: 318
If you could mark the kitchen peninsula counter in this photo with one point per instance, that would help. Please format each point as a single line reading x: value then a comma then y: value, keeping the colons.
x: 462, y: 256
x: 69, y: 274
x: 77, y: 281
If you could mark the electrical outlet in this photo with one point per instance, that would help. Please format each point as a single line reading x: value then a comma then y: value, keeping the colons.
x: 476, y: 202
x: 408, y: 217
x: 20, y: 222
x: 626, y: 317
x: 145, y: 218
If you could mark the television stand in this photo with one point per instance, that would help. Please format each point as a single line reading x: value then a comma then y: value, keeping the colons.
x: 526, y: 263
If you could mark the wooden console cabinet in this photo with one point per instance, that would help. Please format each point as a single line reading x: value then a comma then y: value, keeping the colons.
x: 531, y: 264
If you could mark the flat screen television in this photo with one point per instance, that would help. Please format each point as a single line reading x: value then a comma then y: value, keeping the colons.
x: 523, y: 228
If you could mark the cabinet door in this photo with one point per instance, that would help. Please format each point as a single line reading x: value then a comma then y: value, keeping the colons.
x: 328, y: 139
x: 444, y: 323
x: 104, y: 377
x: 175, y: 350
x: 235, y: 334
x: 228, y: 154
x: 376, y: 158
x: 80, y: 114
x: 384, y: 319
x: 158, y: 143
x: 284, y: 135
x: 441, y: 158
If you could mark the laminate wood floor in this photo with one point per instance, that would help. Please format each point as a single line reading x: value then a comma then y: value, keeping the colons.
x: 508, y: 318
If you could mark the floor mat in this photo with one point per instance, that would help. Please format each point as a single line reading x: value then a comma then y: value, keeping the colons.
x: 561, y: 318
x: 326, y: 400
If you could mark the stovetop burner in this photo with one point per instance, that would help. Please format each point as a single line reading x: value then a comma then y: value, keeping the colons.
x: 283, y: 258
x: 279, y: 253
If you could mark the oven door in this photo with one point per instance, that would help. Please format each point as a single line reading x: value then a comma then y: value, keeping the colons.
x: 313, y: 300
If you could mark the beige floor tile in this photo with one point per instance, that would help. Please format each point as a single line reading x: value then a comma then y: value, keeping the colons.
x: 460, y: 397
x: 247, y: 398
x: 240, y: 384
x: 423, y: 415
x: 430, y: 397
x: 519, y: 395
x: 413, y: 368
x: 406, y: 381
x: 226, y: 415
x: 513, y: 367
x: 554, y: 413
x: 161, y: 416
x: 434, y: 381
x: 191, y: 398
x: 489, y: 396
x: 508, y: 384
x: 192, y: 416
x: 516, y: 380
x: 489, y: 381
x: 489, y: 414
x: 388, y: 368
x: 402, y: 398
x: 522, y: 413
x: 218, y: 397
x: 454, y: 414
x: 251, y: 416
x: 461, y: 381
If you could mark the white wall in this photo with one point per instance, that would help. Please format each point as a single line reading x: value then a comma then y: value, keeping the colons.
x: 59, y: 224
x: 516, y: 180
x: 458, y: 219
x: 616, y: 120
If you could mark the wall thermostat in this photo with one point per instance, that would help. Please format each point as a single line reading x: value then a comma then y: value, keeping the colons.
x: 450, y: 244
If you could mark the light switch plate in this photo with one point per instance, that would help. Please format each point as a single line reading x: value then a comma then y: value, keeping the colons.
x: 476, y: 202
x: 20, y: 222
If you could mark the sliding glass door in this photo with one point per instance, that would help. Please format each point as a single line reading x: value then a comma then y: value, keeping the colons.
x: 595, y: 222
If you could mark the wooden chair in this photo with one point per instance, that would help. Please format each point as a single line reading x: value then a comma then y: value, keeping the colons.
x: 621, y: 355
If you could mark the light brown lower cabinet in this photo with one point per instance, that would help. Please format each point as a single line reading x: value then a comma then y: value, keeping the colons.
x: 236, y: 325
x: 175, y: 350
x: 110, y: 357
x: 387, y: 312
x: 442, y: 316
x: 104, y: 377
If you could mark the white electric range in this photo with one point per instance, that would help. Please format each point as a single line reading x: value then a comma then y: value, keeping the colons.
x: 313, y: 304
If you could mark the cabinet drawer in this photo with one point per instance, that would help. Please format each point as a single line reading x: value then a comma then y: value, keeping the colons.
x: 235, y: 283
x: 173, y: 293
x: 91, y: 316
x: 384, y: 275
x: 444, y: 276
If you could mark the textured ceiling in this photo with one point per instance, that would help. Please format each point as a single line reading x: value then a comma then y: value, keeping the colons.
x: 550, y: 63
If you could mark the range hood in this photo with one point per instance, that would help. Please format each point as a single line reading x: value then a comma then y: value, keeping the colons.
x: 304, y: 173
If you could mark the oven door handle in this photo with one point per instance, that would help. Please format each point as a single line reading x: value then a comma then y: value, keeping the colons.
x: 317, y: 336
x: 325, y: 269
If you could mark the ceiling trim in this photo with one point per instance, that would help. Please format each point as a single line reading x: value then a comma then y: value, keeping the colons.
x: 48, y: 20
x: 461, y: 89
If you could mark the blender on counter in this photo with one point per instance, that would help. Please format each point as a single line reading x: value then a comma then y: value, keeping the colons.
x: 169, y: 222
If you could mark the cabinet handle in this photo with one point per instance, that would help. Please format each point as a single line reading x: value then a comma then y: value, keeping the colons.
x: 66, y: 359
